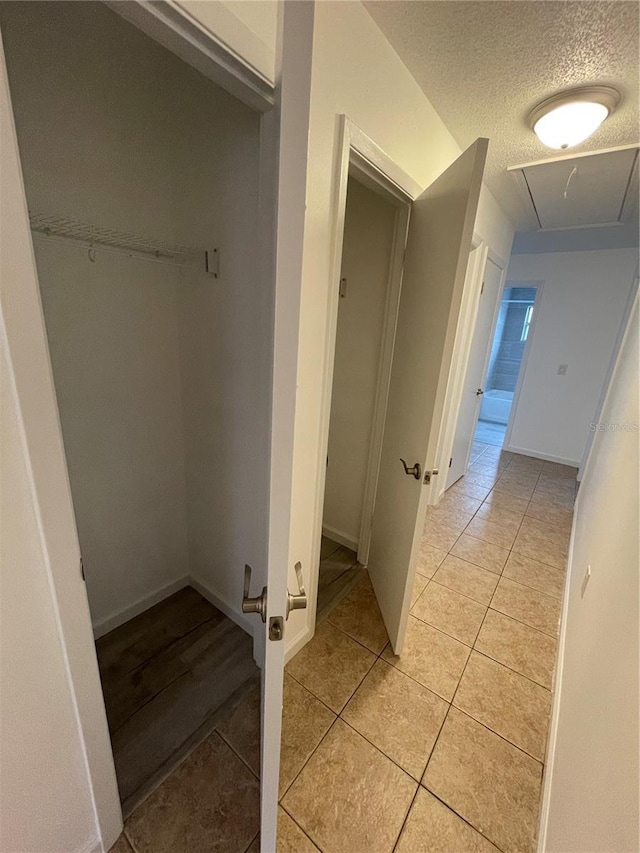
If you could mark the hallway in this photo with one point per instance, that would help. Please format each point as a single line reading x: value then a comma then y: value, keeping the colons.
x: 441, y: 749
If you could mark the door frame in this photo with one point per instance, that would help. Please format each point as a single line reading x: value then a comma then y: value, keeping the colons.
x: 502, y: 266
x: 31, y: 379
x: 382, y: 174
x: 361, y: 171
x: 539, y: 285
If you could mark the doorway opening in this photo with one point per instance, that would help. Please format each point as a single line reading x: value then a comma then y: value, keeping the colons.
x: 508, y: 348
x: 142, y: 181
x: 367, y: 311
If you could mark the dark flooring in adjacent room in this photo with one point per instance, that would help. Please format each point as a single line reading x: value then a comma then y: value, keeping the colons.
x: 169, y: 676
x: 339, y: 571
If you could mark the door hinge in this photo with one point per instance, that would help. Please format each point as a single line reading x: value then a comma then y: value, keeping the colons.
x: 82, y: 569
x: 482, y: 289
x: 343, y: 288
x: 450, y: 462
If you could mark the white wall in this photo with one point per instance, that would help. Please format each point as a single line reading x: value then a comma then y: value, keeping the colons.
x: 366, y: 256
x: 384, y: 100
x: 39, y: 728
x: 95, y: 146
x: 591, y: 798
x: 225, y: 343
x: 583, y: 300
x: 162, y: 375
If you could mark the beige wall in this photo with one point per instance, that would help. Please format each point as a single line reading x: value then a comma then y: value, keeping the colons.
x: 591, y: 800
x: 366, y: 257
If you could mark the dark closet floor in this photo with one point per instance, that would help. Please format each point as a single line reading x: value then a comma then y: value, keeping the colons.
x: 169, y: 677
x: 339, y: 571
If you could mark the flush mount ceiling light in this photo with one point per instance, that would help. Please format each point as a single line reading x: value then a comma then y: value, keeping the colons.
x: 569, y: 118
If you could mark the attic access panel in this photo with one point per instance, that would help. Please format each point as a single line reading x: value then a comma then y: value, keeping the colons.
x: 576, y: 192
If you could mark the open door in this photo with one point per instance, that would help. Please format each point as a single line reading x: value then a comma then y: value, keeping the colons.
x: 438, y: 246
x: 478, y: 363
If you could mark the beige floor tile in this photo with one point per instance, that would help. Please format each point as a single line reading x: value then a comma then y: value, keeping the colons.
x: 467, y: 579
x: 505, y: 500
x: 487, y: 781
x: 512, y: 518
x: 471, y: 489
x: 559, y: 498
x: 211, y: 802
x: 122, y: 845
x: 518, y: 646
x: 481, y: 478
x: 542, y: 542
x: 433, y: 828
x: 350, y: 797
x: 331, y: 666
x: 555, y: 469
x: 480, y: 553
x: 527, y: 605
x: 534, y: 574
x: 434, y: 659
x: 506, y: 702
x: 557, y: 516
x: 242, y: 730
x: 496, y: 532
x: 514, y: 487
x: 440, y: 535
x: 358, y: 615
x: 455, y: 614
x: 429, y: 559
x: 305, y: 721
x: 458, y: 503
x: 419, y: 584
x: 291, y: 839
x: 398, y: 715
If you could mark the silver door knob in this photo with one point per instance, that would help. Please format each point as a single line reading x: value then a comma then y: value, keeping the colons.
x: 253, y: 605
x: 298, y: 601
x: 479, y: 391
x: 413, y: 471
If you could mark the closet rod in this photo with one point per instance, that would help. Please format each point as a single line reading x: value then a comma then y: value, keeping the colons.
x: 92, y: 238
x: 91, y: 246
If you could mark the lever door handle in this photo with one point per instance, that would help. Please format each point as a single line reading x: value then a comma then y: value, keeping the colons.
x: 298, y: 601
x: 479, y: 391
x: 253, y: 605
x: 414, y: 471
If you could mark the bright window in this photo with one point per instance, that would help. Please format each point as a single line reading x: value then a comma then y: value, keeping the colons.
x: 527, y: 323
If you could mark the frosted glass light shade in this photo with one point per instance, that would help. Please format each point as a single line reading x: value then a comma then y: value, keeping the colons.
x: 569, y: 118
x: 570, y: 124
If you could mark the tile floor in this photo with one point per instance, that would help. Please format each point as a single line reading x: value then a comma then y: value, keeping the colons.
x: 441, y: 749
x: 489, y: 432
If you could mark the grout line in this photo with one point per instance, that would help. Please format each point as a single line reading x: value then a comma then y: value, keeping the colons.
x: 306, y: 834
x: 237, y: 754
x: 463, y: 819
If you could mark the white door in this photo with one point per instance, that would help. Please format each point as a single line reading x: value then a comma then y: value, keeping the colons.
x: 296, y: 37
x: 476, y: 371
x: 438, y: 246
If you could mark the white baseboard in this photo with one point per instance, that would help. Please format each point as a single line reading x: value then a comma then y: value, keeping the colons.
x: 547, y: 457
x: 556, y: 690
x: 242, y: 620
x: 340, y: 537
x: 103, y: 626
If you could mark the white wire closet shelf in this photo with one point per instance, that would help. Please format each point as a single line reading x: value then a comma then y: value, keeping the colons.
x: 91, y: 236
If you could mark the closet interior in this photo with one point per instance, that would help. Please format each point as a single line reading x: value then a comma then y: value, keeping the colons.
x: 358, y: 388
x: 142, y: 183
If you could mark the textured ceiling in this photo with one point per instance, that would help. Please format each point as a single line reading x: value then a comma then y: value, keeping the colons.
x: 485, y: 64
